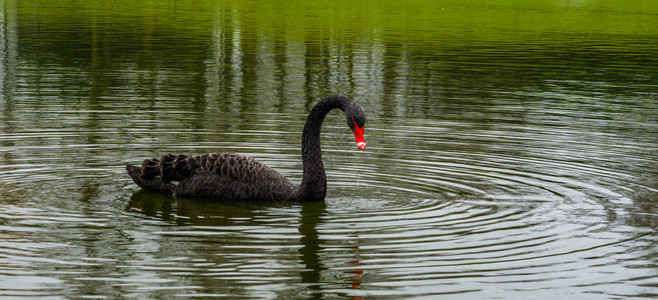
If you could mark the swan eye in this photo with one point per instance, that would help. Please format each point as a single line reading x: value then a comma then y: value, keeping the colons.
x: 356, y: 124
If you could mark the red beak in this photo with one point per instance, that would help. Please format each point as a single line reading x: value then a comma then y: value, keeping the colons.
x: 358, y: 136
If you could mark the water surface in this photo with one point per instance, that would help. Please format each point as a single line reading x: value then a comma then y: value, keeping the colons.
x: 511, y: 148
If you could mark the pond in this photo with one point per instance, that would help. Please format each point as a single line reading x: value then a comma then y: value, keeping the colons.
x: 511, y: 148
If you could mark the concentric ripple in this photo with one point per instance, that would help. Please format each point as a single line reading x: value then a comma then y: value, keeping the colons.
x: 437, y: 210
x: 504, y: 160
x: 531, y: 222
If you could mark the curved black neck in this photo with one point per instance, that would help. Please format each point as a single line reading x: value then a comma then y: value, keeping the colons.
x: 314, y: 180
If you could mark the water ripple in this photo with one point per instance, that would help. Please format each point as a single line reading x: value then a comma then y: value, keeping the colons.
x: 438, y: 213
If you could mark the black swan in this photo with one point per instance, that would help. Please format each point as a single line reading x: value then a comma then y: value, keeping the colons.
x: 233, y: 176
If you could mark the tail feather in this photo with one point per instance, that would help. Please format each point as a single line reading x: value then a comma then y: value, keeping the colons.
x: 173, y: 168
x: 149, y: 169
x: 166, y: 167
x: 146, y: 182
x: 157, y: 174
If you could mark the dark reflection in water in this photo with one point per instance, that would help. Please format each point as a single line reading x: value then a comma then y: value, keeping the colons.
x: 312, y: 214
x: 511, y: 148
x: 205, y: 218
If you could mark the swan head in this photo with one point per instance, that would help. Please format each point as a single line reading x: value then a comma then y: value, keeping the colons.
x: 356, y: 120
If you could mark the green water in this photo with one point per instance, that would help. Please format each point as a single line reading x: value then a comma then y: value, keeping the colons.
x: 511, y: 148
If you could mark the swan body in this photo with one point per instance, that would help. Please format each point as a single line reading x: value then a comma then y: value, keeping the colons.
x: 232, y: 176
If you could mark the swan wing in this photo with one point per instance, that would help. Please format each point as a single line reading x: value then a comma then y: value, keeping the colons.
x: 220, y: 175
